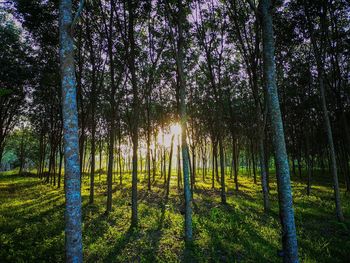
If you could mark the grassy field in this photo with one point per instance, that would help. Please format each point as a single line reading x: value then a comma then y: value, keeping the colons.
x: 32, y: 223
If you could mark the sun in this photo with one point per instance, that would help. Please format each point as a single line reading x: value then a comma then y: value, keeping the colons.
x: 164, y: 137
x: 175, y: 129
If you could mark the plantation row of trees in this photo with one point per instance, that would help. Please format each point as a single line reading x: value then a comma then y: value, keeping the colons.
x: 215, y: 67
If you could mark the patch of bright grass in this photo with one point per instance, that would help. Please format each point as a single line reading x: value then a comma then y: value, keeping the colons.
x: 32, y: 223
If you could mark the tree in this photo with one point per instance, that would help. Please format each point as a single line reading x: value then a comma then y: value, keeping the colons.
x: 183, y: 116
x: 73, y: 235
x: 289, y: 237
x: 319, y: 55
x: 131, y: 6
x: 14, y: 76
x: 249, y: 39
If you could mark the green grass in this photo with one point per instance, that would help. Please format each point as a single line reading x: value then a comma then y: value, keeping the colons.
x: 32, y: 223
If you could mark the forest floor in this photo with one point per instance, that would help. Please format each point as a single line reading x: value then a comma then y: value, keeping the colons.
x: 32, y: 223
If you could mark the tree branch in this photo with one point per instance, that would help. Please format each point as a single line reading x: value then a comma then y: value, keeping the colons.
x: 252, y: 6
x: 77, y: 16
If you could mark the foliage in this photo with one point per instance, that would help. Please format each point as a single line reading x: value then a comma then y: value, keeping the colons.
x: 15, y: 72
x: 23, y: 141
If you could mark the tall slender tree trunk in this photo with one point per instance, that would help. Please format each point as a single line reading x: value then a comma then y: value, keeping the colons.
x: 183, y: 117
x: 263, y: 171
x: 299, y: 165
x: 22, y: 157
x: 54, y: 167
x: 100, y: 161
x: 345, y: 163
x: 203, y: 163
x: 222, y: 169
x: 319, y: 56
x: 135, y: 105
x: 42, y: 166
x: 49, y: 173
x: 120, y: 160
x: 164, y: 161
x: 110, y: 164
x: 178, y: 164
x: 93, y: 99
x: 193, y: 166
x: 253, y: 162
x: 216, y: 164
x: 309, y: 175
x: 333, y: 161
x: 169, y: 169
x: 148, y: 147
x: 60, y: 166
x: 293, y: 167
x: 41, y: 145
x: 113, y: 108
x: 2, y: 145
x: 289, y: 237
x: 154, y: 158
x: 213, y: 167
x: 236, y: 165
x: 92, y: 174
x: 73, y: 235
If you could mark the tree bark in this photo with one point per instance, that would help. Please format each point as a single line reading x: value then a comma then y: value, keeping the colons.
x: 112, y: 109
x: 222, y: 169
x: 169, y: 169
x: 60, y: 166
x: 135, y: 106
x: 183, y: 120
x: 73, y: 235
x: 289, y: 237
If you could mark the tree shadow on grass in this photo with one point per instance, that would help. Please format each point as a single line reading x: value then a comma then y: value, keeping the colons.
x: 231, y: 238
x: 34, y: 235
x: 154, y: 235
x: 119, y: 245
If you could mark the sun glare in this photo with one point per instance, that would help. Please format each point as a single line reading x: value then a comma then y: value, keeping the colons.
x: 164, y: 137
x: 175, y: 129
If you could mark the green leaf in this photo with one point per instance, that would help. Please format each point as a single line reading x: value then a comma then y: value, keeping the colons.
x: 4, y: 92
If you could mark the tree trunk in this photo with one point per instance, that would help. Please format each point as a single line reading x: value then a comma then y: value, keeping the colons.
x: 60, y: 167
x: 148, y: 148
x: 21, y: 158
x: 213, y: 167
x: 120, y: 161
x: 42, y: 166
x: 236, y: 165
x: 319, y: 56
x: 194, y: 165
x: 169, y: 169
x: 100, y: 160
x: 289, y: 237
x: 293, y: 167
x: 263, y: 170
x: 183, y: 116
x: 54, y: 167
x: 178, y: 164
x: 222, y: 169
x: 112, y: 112
x: 135, y: 106
x: 309, y: 172
x: 73, y: 235
x: 253, y: 163
x: 92, y: 174
x: 41, y: 146
x: 299, y: 166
